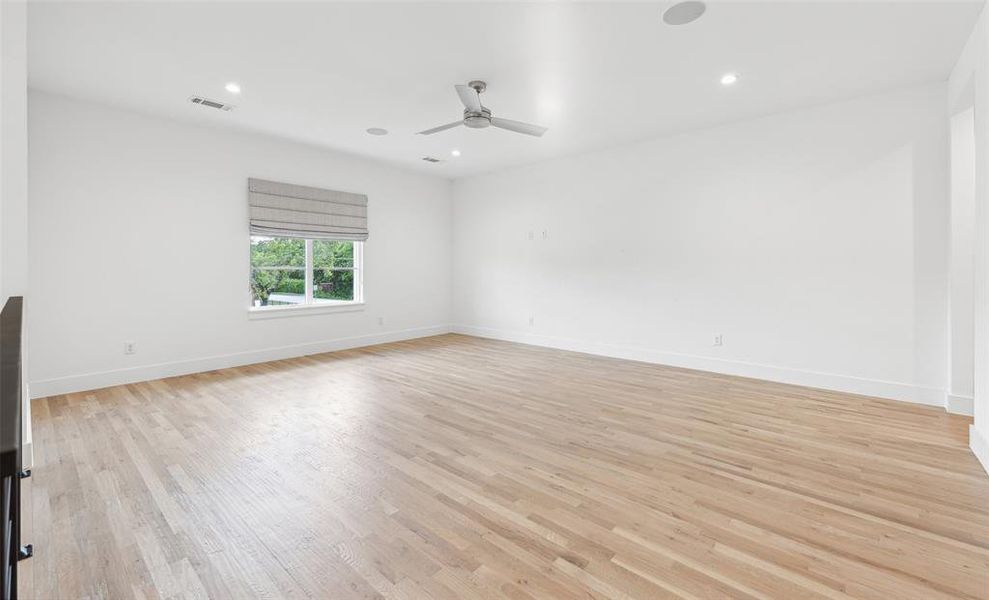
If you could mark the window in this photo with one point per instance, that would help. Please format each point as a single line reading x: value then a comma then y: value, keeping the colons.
x: 292, y: 271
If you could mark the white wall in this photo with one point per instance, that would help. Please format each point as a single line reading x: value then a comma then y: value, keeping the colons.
x: 961, y: 348
x: 13, y: 149
x: 814, y: 241
x: 139, y: 232
x: 971, y: 77
x: 3, y: 88
x: 13, y: 179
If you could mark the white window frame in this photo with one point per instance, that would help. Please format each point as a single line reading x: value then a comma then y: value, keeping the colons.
x: 310, y: 305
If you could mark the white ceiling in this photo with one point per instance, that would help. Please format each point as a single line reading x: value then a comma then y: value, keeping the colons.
x: 597, y: 75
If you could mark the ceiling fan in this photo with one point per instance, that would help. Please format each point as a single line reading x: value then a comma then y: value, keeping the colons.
x: 479, y: 117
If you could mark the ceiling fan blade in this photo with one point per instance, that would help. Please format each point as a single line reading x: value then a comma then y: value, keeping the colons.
x: 519, y: 126
x: 441, y: 128
x: 469, y: 97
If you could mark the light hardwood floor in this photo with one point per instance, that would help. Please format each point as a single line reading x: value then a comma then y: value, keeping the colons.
x: 454, y: 467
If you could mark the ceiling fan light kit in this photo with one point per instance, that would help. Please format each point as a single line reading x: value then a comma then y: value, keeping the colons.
x: 477, y: 116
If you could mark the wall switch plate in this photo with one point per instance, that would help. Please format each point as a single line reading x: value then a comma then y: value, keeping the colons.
x: 719, y: 340
x: 130, y: 347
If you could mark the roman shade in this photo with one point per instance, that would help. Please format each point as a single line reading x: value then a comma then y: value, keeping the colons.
x: 287, y: 210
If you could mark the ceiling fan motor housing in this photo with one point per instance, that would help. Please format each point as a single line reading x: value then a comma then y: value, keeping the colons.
x: 476, y: 120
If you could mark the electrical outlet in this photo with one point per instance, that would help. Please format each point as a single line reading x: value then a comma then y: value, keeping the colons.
x: 719, y: 340
x: 130, y: 347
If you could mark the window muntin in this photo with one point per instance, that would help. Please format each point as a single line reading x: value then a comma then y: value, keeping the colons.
x: 298, y: 272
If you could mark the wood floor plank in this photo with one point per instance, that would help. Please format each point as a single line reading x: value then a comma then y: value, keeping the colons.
x: 456, y: 467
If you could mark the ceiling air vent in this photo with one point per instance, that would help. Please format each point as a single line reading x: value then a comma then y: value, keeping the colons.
x: 210, y: 103
x: 430, y: 159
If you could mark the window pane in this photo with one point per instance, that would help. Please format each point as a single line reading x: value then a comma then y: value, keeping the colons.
x: 277, y: 252
x: 332, y: 255
x: 274, y: 287
x: 330, y: 285
x: 278, y: 271
x: 333, y: 275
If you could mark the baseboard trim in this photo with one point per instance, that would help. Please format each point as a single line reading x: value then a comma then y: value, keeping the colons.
x: 959, y: 405
x: 91, y: 381
x: 27, y: 456
x: 980, y: 446
x: 841, y: 383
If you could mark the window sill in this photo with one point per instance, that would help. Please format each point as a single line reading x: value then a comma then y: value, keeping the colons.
x: 274, y: 312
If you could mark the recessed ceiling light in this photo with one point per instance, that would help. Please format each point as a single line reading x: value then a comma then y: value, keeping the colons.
x: 682, y: 13
x: 729, y: 79
x: 455, y: 153
x: 233, y: 88
x: 377, y: 131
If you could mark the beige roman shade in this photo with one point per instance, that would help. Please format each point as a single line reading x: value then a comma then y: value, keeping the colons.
x: 287, y: 210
